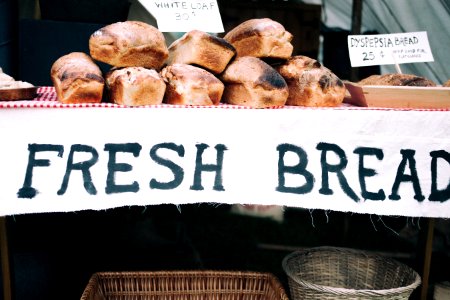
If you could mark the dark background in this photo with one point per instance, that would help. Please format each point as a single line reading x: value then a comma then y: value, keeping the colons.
x: 54, y: 255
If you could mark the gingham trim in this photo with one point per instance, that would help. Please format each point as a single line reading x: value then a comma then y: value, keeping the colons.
x: 46, y: 98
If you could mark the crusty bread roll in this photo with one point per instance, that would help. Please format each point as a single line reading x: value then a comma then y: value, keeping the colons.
x: 77, y: 79
x: 135, y: 86
x: 202, y: 49
x: 249, y: 81
x: 396, y: 79
x: 263, y: 38
x: 191, y: 85
x: 129, y: 44
x: 446, y: 84
x: 310, y: 83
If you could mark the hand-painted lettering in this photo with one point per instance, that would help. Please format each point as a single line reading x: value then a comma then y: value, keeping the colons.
x: 365, y: 172
x: 337, y: 168
x: 201, y: 167
x: 407, y: 159
x: 27, y: 191
x: 178, y: 172
x: 114, y: 167
x: 299, y: 169
x: 436, y: 194
x: 81, y: 166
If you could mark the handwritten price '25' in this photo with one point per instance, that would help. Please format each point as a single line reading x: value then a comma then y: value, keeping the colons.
x: 184, y: 16
x: 368, y: 56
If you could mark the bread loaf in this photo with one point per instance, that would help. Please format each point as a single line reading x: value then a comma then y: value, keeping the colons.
x: 396, y: 79
x: 446, y: 84
x: 129, y: 44
x: 77, y: 79
x: 310, y: 83
x: 249, y: 81
x: 201, y: 49
x: 191, y: 85
x: 135, y: 86
x: 263, y: 38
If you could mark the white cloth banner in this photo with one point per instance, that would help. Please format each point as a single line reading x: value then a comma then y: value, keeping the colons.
x: 377, y: 161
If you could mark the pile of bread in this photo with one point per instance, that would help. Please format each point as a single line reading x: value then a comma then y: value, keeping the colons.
x: 251, y: 65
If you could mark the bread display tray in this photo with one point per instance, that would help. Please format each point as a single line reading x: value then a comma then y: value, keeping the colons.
x: 398, y: 96
x: 18, y: 94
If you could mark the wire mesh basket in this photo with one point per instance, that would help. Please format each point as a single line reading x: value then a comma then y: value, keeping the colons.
x: 184, y: 285
x: 343, y: 273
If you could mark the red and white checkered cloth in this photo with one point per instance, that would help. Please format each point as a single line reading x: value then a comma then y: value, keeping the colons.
x: 46, y: 98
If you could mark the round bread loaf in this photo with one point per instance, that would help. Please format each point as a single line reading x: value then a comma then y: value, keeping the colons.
x: 129, y: 44
x: 249, y: 81
x: 310, y: 83
x: 77, y: 79
x: 191, y: 85
x: 396, y: 79
x: 263, y: 38
x: 135, y: 86
x: 446, y: 84
x: 202, y: 49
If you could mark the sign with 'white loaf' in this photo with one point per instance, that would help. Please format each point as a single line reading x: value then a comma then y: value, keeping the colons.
x: 184, y: 16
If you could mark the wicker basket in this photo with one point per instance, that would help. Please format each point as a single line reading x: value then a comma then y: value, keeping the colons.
x: 184, y: 285
x: 342, y: 273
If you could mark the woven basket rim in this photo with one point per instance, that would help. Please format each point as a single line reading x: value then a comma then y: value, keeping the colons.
x: 267, y: 278
x: 184, y: 273
x: 346, y: 291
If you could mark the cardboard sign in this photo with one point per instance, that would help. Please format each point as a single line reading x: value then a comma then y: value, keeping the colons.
x: 376, y: 161
x: 385, y: 49
x: 184, y: 16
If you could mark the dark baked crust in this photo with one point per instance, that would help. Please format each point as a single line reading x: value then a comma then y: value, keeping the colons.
x: 310, y: 83
x: 397, y: 80
x: 191, y: 85
x: 77, y: 79
x: 446, y: 84
x: 135, y: 86
x: 201, y: 49
x: 251, y: 82
x: 129, y: 44
x: 261, y: 38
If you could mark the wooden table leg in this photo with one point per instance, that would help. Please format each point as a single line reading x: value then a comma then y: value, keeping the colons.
x: 4, y: 251
x: 427, y: 259
x: 357, y: 7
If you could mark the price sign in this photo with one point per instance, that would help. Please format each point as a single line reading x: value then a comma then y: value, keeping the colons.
x: 183, y: 16
x: 385, y: 49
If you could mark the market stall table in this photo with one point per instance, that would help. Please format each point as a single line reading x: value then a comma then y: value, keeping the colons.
x: 384, y: 161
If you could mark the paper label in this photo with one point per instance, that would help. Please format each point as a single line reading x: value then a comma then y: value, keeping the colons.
x: 386, y: 49
x: 184, y: 16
